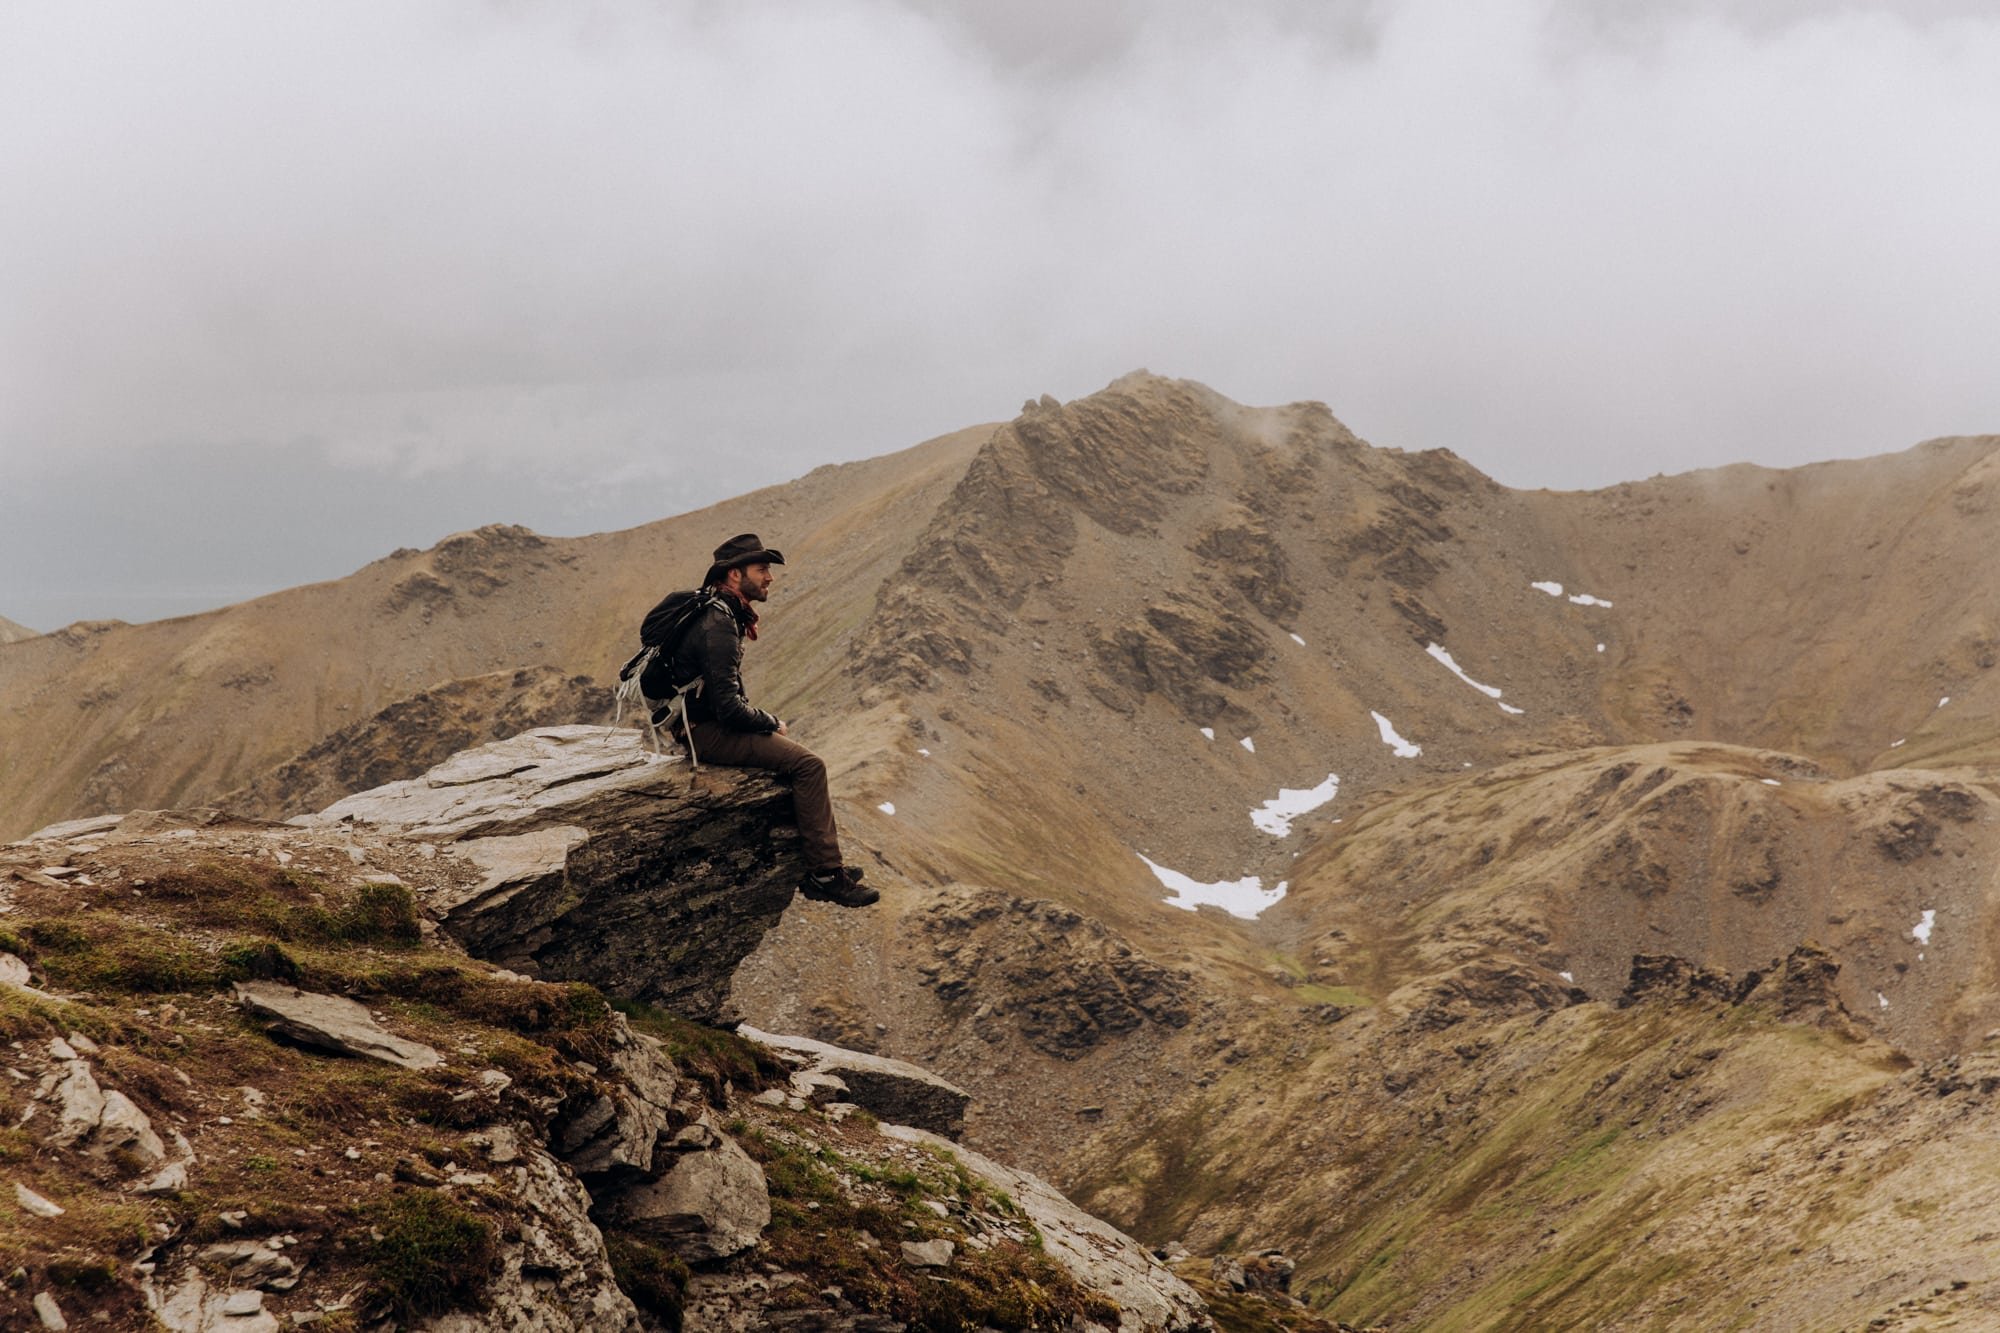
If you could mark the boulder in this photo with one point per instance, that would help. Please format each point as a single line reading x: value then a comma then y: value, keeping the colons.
x: 620, y: 1130
x: 710, y: 1204
x: 332, y: 1023
x: 888, y: 1089
x: 598, y: 860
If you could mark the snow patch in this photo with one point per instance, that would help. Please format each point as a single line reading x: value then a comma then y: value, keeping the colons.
x: 887, y: 807
x: 1770, y: 782
x: 1509, y: 708
x: 1896, y: 745
x: 1585, y: 599
x: 1244, y: 897
x: 1600, y: 647
x: 1552, y: 589
x: 1459, y: 671
x: 1567, y: 977
x: 1275, y: 816
x: 1208, y: 733
x: 1921, y: 932
x: 1248, y: 744
x: 1403, y: 748
x: 1881, y: 999
x: 925, y: 753
x: 1300, y: 642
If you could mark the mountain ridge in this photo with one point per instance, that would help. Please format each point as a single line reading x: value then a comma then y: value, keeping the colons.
x: 1528, y: 785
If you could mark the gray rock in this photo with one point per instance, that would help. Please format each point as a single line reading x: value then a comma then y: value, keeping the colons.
x: 34, y: 1203
x: 623, y: 1129
x: 892, y: 1090
x: 250, y: 1262
x: 554, y: 1274
x: 14, y: 972
x: 1098, y: 1255
x: 331, y: 1023
x: 600, y: 861
x: 710, y: 1204
x: 195, y: 1307
x: 48, y: 1312
x: 100, y: 1122
x: 928, y: 1253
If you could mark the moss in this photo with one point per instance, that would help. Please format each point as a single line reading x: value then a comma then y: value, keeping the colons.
x: 427, y: 1254
x: 100, y: 952
x: 287, y: 904
x: 655, y: 1280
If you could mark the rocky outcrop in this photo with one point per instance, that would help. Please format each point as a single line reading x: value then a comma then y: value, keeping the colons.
x: 591, y: 858
x: 412, y: 734
x: 1096, y: 1254
x: 892, y: 1090
x: 1069, y: 983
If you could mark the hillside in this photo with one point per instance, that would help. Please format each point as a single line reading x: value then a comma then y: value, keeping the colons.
x: 1599, y: 866
x: 13, y: 633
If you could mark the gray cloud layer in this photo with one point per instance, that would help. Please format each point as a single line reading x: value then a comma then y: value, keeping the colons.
x: 585, y: 264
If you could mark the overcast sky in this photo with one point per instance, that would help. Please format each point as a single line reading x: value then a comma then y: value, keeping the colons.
x: 286, y: 285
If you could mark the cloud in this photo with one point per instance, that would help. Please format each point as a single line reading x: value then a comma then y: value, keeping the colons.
x: 1574, y: 243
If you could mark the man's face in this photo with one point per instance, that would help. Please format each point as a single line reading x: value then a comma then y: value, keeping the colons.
x: 754, y: 582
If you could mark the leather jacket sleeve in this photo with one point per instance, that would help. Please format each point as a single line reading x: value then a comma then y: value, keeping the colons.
x: 718, y: 652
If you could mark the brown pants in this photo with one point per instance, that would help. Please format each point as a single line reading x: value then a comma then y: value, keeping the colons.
x: 812, y: 804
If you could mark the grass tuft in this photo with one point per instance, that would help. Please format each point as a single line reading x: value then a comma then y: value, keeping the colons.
x: 428, y: 1254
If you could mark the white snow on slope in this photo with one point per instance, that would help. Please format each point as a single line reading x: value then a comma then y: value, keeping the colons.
x: 1921, y: 932
x: 1555, y: 589
x: 1248, y: 744
x: 1489, y: 691
x: 887, y: 807
x: 1300, y: 642
x: 1208, y: 733
x: 1244, y: 897
x: 1403, y: 748
x: 1275, y: 816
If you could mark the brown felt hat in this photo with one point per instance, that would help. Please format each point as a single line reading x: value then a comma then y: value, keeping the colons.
x: 744, y: 549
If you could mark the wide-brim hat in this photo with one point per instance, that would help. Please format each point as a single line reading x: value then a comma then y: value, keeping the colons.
x: 743, y: 549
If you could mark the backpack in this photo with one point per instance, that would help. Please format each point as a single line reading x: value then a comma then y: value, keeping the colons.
x: 646, y: 682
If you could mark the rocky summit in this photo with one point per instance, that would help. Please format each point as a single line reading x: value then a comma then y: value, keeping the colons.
x: 1391, y: 899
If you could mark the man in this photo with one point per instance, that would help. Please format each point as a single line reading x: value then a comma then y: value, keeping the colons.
x: 728, y: 730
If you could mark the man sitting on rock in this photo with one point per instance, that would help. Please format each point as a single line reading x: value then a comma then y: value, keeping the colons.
x: 728, y: 730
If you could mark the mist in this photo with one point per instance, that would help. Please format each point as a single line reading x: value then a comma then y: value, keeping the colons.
x: 316, y: 281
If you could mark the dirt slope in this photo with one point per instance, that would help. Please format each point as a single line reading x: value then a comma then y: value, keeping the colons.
x: 13, y: 633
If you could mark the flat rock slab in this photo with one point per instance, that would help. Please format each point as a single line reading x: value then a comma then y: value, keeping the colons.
x: 331, y: 1023
x: 891, y: 1090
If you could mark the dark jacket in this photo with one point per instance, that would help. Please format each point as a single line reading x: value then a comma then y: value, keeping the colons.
x: 713, y: 650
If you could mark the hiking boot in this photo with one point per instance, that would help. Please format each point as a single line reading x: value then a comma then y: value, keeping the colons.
x: 838, y: 886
